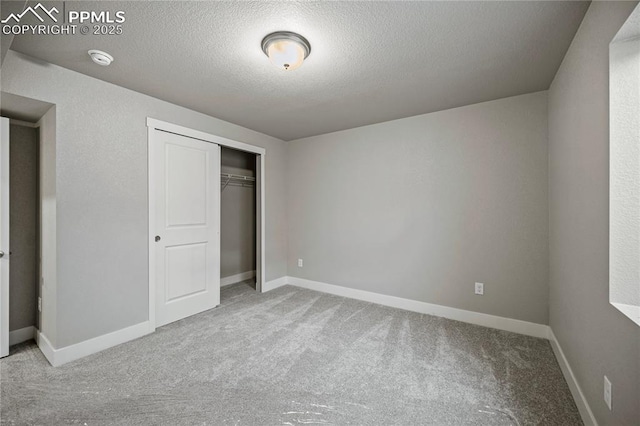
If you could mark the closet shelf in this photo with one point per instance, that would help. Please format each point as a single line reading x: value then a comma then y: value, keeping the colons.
x: 236, y: 180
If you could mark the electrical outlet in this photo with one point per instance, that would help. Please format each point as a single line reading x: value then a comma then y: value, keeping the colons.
x: 300, y: 263
x: 39, y: 304
x: 607, y: 392
x: 480, y: 289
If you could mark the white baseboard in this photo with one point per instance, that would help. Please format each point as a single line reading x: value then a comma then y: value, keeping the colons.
x: 22, y: 335
x: 57, y: 357
x: 273, y: 284
x: 232, y: 279
x: 45, y: 347
x: 486, y: 320
x: 576, y: 391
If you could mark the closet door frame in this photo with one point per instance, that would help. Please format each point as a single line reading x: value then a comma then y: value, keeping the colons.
x: 154, y: 124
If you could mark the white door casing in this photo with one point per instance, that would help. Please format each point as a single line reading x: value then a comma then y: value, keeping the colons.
x: 259, y: 223
x: 4, y: 236
x: 186, y: 181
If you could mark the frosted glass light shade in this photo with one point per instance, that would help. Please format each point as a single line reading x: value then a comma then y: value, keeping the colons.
x: 286, y: 50
x: 286, y: 54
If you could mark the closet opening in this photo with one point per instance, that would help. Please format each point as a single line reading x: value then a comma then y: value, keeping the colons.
x: 24, y: 229
x: 238, y: 202
x: 226, y: 233
x: 27, y: 209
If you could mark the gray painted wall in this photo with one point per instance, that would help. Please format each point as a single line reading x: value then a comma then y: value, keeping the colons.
x: 423, y: 207
x: 596, y: 338
x: 24, y: 206
x: 101, y: 191
x: 237, y: 216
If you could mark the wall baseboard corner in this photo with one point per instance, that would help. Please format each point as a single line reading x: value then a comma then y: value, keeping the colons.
x: 22, y: 335
x: 578, y: 396
x: 57, y: 357
x: 273, y: 284
x: 232, y: 279
x: 46, y: 347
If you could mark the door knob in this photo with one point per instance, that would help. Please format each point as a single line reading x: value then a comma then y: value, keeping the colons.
x: 157, y: 238
x: 1, y: 253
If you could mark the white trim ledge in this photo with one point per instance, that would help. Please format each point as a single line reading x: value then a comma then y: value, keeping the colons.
x: 22, y: 335
x: 57, y: 357
x: 232, y: 279
x: 578, y: 396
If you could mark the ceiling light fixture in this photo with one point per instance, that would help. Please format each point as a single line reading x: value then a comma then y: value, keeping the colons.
x: 285, y: 49
x: 100, y: 57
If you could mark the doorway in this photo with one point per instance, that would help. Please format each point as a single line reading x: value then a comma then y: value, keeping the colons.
x: 237, y: 217
x: 20, y: 234
x: 162, y: 136
x: 24, y: 230
x: 26, y: 197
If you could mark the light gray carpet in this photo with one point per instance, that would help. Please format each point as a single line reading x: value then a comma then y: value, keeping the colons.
x: 294, y: 356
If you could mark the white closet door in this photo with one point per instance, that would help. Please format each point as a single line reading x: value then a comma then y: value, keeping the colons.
x: 4, y: 237
x: 187, y: 247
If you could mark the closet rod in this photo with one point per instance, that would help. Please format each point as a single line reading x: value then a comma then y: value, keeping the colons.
x: 242, y: 180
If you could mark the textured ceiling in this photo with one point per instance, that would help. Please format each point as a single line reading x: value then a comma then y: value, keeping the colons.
x: 6, y: 8
x: 370, y: 61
